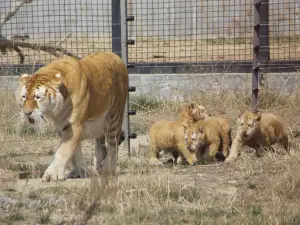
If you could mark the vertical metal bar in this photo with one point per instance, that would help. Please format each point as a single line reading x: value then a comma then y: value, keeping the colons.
x: 116, y: 27
x: 124, y: 55
x: 256, y: 48
x: 129, y: 12
x: 264, y: 31
x: 264, y: 55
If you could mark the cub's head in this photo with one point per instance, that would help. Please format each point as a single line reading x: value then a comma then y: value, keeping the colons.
x: 194, y: 137
x: 39, y: 95
x: 249, y: 124
x: 197, y: 112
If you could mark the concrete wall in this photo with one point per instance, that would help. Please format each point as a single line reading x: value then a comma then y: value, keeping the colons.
x: 178, y: 86
x: 153, y: 18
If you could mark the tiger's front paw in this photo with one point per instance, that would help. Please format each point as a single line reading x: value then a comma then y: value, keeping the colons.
x: 230, y: 160
x: 53, y: 173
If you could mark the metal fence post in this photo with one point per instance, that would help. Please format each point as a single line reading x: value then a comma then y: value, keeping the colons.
x: 119, y: 46
x: 264, y: 55
x: 264, y: 32
x: 256, y: 53
x: 116, y: 27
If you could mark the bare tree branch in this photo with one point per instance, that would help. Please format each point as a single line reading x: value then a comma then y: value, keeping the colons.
x: 10, y: 45
x: 64, y: 39
x: 56, y: 51
x: 20, y: 53
x: 14, y: 7
x: 6, y: 44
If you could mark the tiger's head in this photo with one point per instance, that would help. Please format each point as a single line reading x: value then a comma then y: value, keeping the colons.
x: 197, y: 112
x: 194, y: 137
x: 39, y: 95
x: 248, y: 124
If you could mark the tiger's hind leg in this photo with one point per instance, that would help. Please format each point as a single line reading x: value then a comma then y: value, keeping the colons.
x: 100, y: 153
x: 113, y: 133
x: 109, y: 164
x: 79, y: 169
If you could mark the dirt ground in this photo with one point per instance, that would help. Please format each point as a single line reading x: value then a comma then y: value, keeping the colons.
x: 159, y: 50
x: 250, y: 191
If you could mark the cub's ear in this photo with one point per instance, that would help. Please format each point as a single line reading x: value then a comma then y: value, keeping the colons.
x: 23, y: 77
x: 201, y: 129
x: 257, y: 116
x: 240, y: 114
x: 185, y: 127
x: 192, y: 106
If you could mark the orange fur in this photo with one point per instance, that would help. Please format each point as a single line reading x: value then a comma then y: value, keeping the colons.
x: 169, y: 135
x: 85, y: 99
x: 258, y: 131
x: 213, y: 134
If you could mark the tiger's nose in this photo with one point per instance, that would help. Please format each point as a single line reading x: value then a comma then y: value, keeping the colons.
x: 190, y: 148
x: 28, y: 113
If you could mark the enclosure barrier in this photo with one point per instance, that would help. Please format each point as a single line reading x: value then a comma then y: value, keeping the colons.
x: 120, y: 47
x: 156, y: 37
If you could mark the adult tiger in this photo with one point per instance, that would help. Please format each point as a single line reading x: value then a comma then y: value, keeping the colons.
x: 85, y: 99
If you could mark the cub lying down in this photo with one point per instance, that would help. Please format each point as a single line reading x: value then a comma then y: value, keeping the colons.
x: 169, y: 135
x: 258, y: 131
x: 212, y: 134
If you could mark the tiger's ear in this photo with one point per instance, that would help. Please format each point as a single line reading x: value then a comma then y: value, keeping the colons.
x: 185, y: 127
x: 257, y: 116
x: 192, y: 106
x: 58, y: 79
x: 201, y: 129
x: 58, y: 75
x: 240, y: 114
x: 23, y: 77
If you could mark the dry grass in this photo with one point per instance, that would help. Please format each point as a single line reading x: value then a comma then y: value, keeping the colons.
x: 153, y: 49
x: 250, y: 191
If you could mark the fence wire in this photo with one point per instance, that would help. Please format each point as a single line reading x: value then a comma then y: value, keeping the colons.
x: 40, y: 31
x: 284, y: 29
x: 190, y: 30
x: 167, y: 33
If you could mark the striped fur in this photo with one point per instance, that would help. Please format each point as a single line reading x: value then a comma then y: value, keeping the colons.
x: 85, y: 99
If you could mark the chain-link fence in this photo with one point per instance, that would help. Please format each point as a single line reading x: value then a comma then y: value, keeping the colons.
x: 284, y: 29
x: 189, y: 35
x: 191, y: 30
x: 167, y: 36
x: 170, y: 35
x: 36, y: 32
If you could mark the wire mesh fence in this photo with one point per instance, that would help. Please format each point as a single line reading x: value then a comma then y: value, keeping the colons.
x: 36, y: 32
x: 284, y: 29
x: 190, y: 30
x: 167, y: 33
x: 171, y: 36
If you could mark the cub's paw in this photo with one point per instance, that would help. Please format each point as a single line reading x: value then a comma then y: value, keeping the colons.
x: 155, y: 161
x: 53, y: 173
x: 192, y: 162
